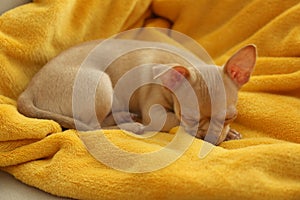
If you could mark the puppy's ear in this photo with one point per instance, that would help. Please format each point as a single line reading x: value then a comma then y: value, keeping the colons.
x: 240, y: 66
x: 171, y: 75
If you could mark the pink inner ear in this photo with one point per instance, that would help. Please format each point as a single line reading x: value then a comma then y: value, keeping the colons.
x: 240, y: 66
x: 239, y: 75
x: 182, y: 70
x: 174, y: 77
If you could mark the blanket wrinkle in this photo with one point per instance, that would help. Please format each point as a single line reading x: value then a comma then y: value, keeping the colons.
x: 265, y: 164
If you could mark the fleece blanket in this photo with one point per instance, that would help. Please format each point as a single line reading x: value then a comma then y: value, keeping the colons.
x: 265, y: 164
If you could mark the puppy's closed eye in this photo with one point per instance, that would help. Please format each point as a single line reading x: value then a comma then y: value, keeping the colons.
x: 230, y: 119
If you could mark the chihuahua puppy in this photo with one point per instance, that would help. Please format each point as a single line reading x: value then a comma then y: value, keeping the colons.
x: 50, y: 94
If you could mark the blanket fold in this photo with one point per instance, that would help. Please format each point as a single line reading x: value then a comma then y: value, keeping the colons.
x: 265, y: 164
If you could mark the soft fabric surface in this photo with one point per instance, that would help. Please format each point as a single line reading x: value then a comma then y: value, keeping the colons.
x: 263, y: 165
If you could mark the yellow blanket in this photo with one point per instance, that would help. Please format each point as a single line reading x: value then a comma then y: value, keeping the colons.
x: 263, y: 165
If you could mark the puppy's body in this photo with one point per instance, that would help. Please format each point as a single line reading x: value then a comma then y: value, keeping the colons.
x: 49, y: 94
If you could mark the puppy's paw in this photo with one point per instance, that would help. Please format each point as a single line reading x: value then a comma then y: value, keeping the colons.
x: 136, y: 127
x: 233, y: 135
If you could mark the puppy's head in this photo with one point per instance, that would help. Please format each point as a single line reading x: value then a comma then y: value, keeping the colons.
x: 234, y: 74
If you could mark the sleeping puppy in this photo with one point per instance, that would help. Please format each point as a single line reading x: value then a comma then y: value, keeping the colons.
x: 50, y: 94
